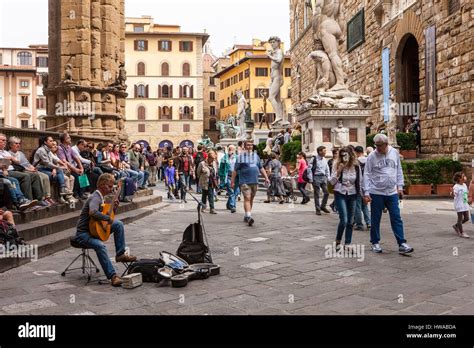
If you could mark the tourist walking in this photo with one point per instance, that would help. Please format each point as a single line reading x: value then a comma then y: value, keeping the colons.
x: 383, y: 186
x: 347, y: 180
x: 301, y: 167
x: 276, y: 188
x: 206, y: 174
x: 247, y: 168
x: 226, y: 168
x: 321, y: 175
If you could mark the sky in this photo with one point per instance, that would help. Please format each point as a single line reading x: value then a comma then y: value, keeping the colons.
x: 229, y: 22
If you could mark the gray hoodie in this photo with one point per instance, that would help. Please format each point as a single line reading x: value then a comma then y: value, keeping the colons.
x: 383, y: 174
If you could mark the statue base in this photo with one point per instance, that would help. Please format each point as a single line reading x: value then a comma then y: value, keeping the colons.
x: 317, y: 125
x: 228, y: 141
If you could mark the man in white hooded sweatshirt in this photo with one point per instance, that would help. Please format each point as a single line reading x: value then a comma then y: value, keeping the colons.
x: 383, y: 185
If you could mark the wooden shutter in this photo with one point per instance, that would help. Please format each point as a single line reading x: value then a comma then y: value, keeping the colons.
x: 181, y: 91
x: 181, y: 110
x: 146, y: 45
x: 135, y: 45
x: 171, y: 45
x: 171, y: 91
x: 146, y: 91
x: 159, y: 112
x: 256, y: 93
x: 192, y: 92
x: 192, y: 112
x: 159, y: 91
x: 171, y: 112
x: 136, y: 91
x: 181, y: 46
x: 191, y: 46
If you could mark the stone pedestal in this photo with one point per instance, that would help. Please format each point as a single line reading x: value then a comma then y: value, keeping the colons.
x: 317, y: 124
x: 260, y: 136
x: 228, y: 141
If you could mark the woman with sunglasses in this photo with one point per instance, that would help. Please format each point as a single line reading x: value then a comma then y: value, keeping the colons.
x: 347, y: 180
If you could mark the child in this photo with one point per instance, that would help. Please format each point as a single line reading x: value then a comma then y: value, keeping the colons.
x: 170, y: 178
x: 461, y: 203
x: 471, y: 195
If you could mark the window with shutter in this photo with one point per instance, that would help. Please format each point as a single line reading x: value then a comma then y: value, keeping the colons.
x: 171, y: 91
x: 165, y: 45
x: 141, y: 113
x: 141, y: 128
x: 186, y: 69
x: 165, y: 69
x: 180, y: 91
x: 192, y: 92
x: 166, y: 113
x: 146, y: 91
x: 165, y: 128
x: 186, y: 128
x: 261, y: 71
x: 186, y: 46
x: 141, y: 69
x: 141, y: 45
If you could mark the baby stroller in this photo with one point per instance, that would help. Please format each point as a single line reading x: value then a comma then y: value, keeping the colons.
x: 290, y: 183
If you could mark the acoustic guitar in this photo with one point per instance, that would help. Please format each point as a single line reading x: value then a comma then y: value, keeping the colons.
x: 101, y: 229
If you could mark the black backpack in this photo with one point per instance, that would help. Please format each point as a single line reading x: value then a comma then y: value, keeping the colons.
x: 149, y: 269
x: 5, y: 198
x: 193, y: 249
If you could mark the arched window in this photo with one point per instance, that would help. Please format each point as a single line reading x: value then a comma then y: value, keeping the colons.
x: 141, y: 69
x: 165, y: 91
x: 24, y: 58
x: 165, y: 69
x: 141, y: 113
x: 187, y: 113
x: 186, y: 69
x: 166, y: 113
x: 141, y: 91
x: 186, y: 91
x: 212, y: 124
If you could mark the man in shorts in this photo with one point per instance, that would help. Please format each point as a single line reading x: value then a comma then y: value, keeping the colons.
x: 247, y: 168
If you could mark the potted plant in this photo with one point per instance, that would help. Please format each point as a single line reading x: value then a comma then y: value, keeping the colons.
x: 446, y: 167
x: 407, y: 143
x: 289, y: 152
x: 421, y: 176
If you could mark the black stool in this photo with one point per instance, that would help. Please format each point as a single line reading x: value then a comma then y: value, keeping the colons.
x: 88, y: 265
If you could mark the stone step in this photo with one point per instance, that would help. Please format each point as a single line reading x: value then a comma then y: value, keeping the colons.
x: 43, y: 213
x: 43, y: 227
x: 58, y: 241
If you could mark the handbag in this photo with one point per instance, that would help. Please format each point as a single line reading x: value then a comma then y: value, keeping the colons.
x: 83, y: 181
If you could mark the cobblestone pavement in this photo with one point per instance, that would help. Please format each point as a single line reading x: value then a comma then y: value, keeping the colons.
x: 278, y: 266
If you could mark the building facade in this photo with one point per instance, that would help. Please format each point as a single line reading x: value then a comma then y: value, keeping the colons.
x: 165, y: 83
x: 421, y: 52
x: 249, y: 71
x: 210, y: 95
x: 21, y: 87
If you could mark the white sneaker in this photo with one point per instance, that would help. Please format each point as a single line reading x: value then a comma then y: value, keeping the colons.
x: 464, y: 235
x: 376, y: 248
x: 405, y: 249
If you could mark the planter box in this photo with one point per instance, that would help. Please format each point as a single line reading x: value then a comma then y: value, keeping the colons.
x: 408, y: 154
x: 444, y: 189
x: 419, y: 190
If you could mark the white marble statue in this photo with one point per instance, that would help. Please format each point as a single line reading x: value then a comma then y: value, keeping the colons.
x: 241, y: 106
x: 392, y: 122
x: 276, y: 73
x: 328, y: 27
x: 340, y: 135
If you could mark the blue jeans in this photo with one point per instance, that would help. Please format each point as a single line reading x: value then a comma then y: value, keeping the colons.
x: 379, y: 202
x: 233, y: 194
x: 119, y: 238
x: 14, y: 188
x: 361, y: 208
x: 345, y: 207
x: 59, y: 178
x: 183, y: 184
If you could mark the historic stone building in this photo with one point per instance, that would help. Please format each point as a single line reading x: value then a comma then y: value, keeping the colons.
x: 423, y: 52
x: 210, y: 94
x: 86, y: 88
x: 22, y: 102
x: 165, y: 83
x: 249, y: 70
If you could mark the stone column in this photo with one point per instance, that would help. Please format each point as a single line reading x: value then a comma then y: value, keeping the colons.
x: 96, y: 28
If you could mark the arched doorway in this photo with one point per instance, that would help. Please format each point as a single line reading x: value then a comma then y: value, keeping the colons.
x: 408, y: 79
x: 187, y: 143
